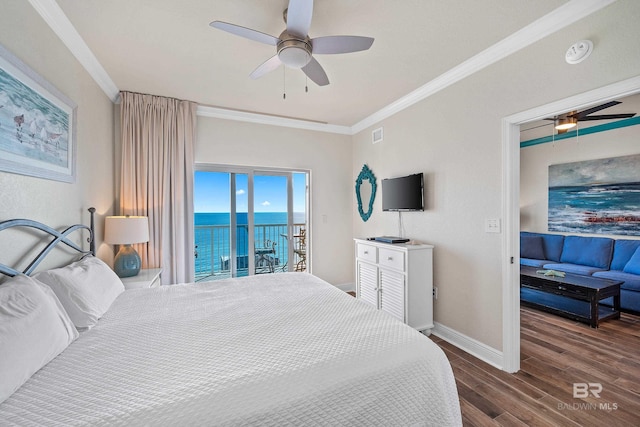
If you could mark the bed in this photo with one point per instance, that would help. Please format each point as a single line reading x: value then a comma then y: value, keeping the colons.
x: 275, y: 349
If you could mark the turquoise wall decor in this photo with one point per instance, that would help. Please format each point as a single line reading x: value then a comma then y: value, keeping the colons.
x: 365, y: 175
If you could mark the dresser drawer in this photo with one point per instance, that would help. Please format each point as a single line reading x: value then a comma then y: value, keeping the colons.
x: 367, y: 252
x: 391, y: 258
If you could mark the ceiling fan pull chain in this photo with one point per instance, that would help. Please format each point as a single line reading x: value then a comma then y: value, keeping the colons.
x: 306, y: 84
x: 284, y: 83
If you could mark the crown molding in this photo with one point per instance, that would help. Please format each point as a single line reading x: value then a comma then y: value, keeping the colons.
x: 53, y: 15
x: 555, y: 20
x: 265, y: 119
x: 565, y: 15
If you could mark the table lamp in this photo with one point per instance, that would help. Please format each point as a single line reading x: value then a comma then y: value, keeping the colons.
x: 124, y: 231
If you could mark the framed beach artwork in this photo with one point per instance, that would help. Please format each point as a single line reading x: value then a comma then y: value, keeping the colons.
x: 37, y: 124
x: 596, y: 196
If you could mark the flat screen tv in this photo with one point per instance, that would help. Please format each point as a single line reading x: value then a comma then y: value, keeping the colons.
x: 403, y: 193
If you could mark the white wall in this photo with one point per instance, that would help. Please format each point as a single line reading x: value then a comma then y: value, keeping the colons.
x: 58, y: 204
x: 454, y: 137
x: 328, y: 156
x: 535, y: 161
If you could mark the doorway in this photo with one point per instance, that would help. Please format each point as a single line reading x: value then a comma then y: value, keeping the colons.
x: 511, y: 204
x: 250, y: 221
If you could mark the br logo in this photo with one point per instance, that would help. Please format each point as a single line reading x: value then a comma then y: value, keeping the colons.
x: 582, y: 390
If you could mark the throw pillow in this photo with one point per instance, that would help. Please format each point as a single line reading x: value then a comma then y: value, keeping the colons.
x: 633, y: 265
x: 531, y: 247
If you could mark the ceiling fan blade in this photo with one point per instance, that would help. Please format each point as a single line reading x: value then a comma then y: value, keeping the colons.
x: 247, y: 33
x: 299, y: 15
x: 607, y: 117
x: 340, y: 44
x: 580, y: 114
x: 314, y: 71
x: 266, y: 67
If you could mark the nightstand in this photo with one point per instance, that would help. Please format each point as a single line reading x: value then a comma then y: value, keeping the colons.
x: 147, y: 278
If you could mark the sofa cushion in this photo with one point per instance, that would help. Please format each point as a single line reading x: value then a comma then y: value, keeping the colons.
x: 531, y: 247
x: 585, y: 270
x: 631, y: 281
x: 589, y: 251
x: 622, y: 252
x: 552, y: 244
x: 533, y: 262
x: 633, y: 265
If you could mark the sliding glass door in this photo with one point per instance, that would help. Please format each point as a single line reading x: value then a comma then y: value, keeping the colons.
x: 250, y: 221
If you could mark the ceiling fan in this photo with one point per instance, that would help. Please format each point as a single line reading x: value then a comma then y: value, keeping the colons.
x: 294, y: 48
x: 564, y: 122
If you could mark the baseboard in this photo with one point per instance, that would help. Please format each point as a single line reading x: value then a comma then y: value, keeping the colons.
x: 471, y: 346
x: 346, y: 287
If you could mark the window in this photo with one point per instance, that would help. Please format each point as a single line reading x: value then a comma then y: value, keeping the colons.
x: 250, y: 221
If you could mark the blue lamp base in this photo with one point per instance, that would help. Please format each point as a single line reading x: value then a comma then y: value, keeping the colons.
x: 127, y: 262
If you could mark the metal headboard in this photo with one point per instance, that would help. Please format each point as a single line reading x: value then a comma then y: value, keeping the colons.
x: 59, y: 237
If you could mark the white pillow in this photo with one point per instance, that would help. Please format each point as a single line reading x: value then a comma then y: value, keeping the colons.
x: 34, y: 328
x: 86, y: 289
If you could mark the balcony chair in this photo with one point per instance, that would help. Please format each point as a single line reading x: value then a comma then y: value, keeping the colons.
x: 266, y: 257
x: 301, y: 251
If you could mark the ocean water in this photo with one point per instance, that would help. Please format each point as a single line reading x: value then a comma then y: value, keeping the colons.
x: 212, y: 238
x: 222, y: 218
x: 600, y: 209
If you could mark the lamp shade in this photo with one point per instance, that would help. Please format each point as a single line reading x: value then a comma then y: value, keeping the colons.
x: 126, y: 230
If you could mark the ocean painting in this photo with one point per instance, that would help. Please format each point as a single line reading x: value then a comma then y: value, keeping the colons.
x: 36, y: 124
x: 596, y: 196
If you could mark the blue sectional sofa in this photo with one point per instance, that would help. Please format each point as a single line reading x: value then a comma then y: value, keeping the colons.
x: 592, y: 256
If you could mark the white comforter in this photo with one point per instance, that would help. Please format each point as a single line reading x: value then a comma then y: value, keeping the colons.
x: 279, y: 349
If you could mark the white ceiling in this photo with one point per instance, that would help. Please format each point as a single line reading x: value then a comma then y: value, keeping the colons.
x: 166, y: 47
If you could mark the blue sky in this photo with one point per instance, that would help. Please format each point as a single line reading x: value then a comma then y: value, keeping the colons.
x: 211, y: 192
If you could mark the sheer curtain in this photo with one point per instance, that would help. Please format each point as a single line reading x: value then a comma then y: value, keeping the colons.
x: 158, y: 135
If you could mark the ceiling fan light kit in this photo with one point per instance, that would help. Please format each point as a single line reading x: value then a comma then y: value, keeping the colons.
x: 579, y: 51
x: 569, y: 120
x: 293, y: 52
x: 294, y: 48
x: 566, y: 123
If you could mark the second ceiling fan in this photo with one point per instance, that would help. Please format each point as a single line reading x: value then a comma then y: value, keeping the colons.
x: 294, y: 47
x: 567, y: 121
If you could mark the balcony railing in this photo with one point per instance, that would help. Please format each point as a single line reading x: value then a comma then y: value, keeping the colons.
x: 213, y: 248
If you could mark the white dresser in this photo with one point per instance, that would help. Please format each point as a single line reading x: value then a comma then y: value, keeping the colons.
x: 397, y: 278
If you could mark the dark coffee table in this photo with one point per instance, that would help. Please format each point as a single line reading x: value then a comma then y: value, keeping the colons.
x: 573, y: 296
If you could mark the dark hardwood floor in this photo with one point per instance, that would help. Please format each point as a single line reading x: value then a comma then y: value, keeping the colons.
x: 556, y: 353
